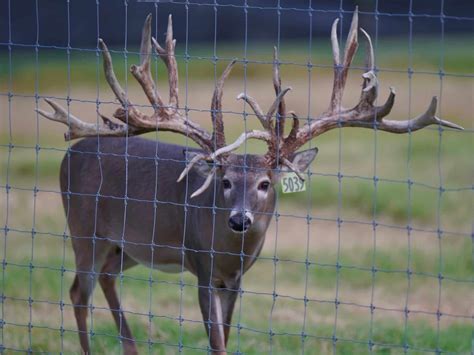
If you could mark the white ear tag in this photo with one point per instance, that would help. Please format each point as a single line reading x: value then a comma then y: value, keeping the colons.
x: 290, y: 183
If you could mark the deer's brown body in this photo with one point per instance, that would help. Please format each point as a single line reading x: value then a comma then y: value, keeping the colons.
x: 139, y: 204
x: 131, y: 202
x: 124, y: 206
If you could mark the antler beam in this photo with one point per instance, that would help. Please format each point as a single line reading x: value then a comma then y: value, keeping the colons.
x: 78, y: 128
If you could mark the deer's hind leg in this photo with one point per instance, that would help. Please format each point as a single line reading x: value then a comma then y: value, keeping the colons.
x: 116, y: 262
x: 90, y: 254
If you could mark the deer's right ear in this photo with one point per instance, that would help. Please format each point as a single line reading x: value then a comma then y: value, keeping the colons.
x: 302, y: 160
x: 202, y: 167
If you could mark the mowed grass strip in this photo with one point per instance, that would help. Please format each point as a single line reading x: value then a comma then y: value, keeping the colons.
x: 271, y: 312
x: 260, y: 323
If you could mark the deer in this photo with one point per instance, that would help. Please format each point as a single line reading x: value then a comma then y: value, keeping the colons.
x: 204, y: 210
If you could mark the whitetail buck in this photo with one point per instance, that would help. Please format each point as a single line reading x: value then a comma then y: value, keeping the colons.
x: 130, y: 200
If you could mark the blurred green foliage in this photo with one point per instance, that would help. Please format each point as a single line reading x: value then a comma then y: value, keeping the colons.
x: 55, y: 69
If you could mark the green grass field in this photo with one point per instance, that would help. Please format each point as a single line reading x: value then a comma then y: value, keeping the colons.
x: 373, y: 261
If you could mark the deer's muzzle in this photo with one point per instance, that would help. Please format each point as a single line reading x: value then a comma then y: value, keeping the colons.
x: 240, y: 221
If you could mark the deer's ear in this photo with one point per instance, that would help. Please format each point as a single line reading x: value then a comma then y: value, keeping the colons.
x: 202, y: 167
x: 302, y: 160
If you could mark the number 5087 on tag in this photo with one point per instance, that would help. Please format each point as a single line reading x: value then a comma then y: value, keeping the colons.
x: 290, y: 183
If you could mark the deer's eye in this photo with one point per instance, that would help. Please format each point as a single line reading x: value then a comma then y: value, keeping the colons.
x: 226, y: 184
x: 264, y: 185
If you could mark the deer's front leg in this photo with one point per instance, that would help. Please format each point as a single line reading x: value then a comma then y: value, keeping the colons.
x: 211, y: 309
x: 228, y: 295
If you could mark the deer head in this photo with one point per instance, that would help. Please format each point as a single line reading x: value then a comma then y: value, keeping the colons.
x: 241, y: 191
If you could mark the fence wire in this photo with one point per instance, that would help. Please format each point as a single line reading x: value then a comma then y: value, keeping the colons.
x: 297, y: 298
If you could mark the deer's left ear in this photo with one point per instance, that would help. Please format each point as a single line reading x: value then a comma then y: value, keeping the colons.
x: 302, y: 160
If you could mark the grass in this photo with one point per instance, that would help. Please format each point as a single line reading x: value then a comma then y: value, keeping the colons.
x: 372, y: 270
x: 400, y: 240
x: 47, y: 285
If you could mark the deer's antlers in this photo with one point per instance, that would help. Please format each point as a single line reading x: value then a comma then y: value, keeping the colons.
x: 365, y: 114
x: 167, y: 117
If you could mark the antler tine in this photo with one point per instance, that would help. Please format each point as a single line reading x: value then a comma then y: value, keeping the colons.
x: 276, y: 71
x: 255, y: 134
x: 340, y: 73
x: 110, y: 75
x: 169, y: 58
x: 145, y: 44
x: 218, y: 135
x: 280, y: 126
x: 351, y: 41
x: 335, y: 43
x: 265, y: 119
x: 190, y: 164
x: 169, y: 36
x: 294, y: 129
x: 370, y: 84
x: 426, y: 119
x: 386, y: 108
x: 159, y: 49
x: 255, y: 107
x: 276, y: 104
x: 335, y: 96
x: 208, y: 179
x: 127, y: 113
x: 173, y: 65
x: 142, y: 72
x: 370, y: 56
x: 206, y: 183
x: 78, y: 128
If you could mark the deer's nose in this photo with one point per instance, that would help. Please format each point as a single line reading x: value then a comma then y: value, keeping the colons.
x: 239, y: 222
